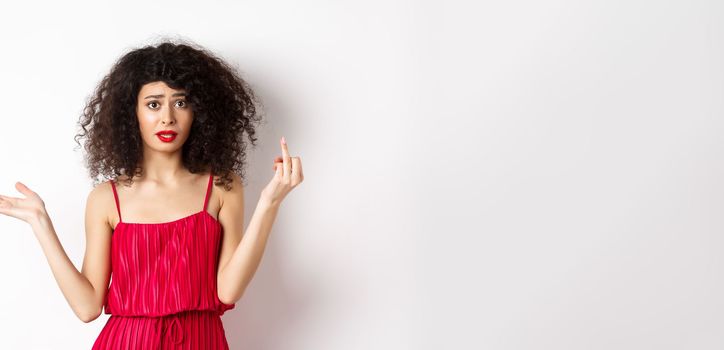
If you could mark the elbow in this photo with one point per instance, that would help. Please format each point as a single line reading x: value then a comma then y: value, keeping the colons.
x: 88, y: 316
x: 228, y: 299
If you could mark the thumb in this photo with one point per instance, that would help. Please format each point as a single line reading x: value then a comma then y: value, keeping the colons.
x: 22, y: 188
x: 25, y: 190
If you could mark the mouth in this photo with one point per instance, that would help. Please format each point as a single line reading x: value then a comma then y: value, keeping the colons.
x: 166, y: 135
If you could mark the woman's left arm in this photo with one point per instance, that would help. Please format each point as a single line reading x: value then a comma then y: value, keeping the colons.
x: 240, y: 255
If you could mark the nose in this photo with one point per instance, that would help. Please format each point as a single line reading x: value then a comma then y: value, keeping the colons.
x: 167, y: 117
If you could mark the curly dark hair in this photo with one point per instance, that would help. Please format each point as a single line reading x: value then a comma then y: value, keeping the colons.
x: 223, y: 104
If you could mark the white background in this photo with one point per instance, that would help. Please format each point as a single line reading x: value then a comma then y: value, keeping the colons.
x: 478, y: 175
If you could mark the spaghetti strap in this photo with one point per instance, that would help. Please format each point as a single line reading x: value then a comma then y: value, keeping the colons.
x: 115, y: 195
x: 208, y: 190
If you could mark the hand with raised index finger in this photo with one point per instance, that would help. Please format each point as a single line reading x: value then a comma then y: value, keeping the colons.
x: 287, y: 175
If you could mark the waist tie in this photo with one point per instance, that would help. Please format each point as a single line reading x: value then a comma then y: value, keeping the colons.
x: 171, y: 327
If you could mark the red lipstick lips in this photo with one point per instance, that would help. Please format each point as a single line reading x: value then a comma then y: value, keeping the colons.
x: 166, y: 135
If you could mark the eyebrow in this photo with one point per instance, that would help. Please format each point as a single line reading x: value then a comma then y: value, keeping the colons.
x: 159, y: 96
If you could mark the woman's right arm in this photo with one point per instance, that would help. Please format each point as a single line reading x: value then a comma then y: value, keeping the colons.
x: 85, y: 290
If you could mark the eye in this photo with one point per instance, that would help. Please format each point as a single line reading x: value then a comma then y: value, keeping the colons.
x: 150, y: 103
x: 183, y: 102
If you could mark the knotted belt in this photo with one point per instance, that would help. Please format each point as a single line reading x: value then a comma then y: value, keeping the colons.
x: 170, y: 326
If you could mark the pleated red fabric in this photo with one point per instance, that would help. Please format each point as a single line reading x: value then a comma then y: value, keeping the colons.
x: 162, y: 293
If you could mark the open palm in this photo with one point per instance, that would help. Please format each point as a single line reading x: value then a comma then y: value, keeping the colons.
x: 25, y: 209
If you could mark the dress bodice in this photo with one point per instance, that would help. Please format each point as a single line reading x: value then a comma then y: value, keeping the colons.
x: 164, y: 268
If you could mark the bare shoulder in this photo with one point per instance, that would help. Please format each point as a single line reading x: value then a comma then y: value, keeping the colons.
x: 99, y: 192
x: 100, y: 203
x: 235, y: 193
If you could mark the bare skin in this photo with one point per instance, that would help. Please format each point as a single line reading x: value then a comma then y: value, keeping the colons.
x: 167, y: 191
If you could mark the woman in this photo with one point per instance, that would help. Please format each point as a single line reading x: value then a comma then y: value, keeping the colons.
x: 166, y: 126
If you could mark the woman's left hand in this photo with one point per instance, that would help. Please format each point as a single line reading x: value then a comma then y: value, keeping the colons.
x: 287, y: 175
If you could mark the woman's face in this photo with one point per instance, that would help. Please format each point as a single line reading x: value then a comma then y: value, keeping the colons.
x: 164, y: 116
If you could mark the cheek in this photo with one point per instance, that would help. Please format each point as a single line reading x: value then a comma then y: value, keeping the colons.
x: 146, y: 120
x: 187, y: 121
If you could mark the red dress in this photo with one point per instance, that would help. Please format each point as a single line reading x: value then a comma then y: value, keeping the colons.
x: 162, y: 293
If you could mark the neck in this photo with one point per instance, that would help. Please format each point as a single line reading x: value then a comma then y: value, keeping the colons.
x: 163, y: 167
